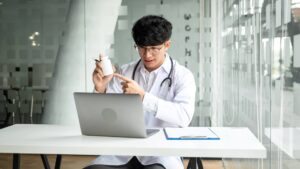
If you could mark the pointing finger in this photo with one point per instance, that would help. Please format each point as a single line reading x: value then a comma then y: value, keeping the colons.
x: 126, y: 79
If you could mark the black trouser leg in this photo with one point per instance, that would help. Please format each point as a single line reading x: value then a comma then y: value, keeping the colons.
x: 16, y: 161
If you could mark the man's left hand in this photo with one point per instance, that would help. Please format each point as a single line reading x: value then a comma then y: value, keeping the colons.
x: 130, y: 86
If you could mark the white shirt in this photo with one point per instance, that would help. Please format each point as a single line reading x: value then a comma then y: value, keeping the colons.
x: 163, y: 106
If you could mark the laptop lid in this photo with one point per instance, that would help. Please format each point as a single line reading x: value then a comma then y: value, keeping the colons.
x: 116, y: 115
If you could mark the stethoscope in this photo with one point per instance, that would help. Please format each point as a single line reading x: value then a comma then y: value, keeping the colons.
x: 166, y: 79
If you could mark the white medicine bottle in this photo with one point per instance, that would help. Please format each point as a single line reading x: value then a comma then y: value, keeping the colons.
x: 106, y: 66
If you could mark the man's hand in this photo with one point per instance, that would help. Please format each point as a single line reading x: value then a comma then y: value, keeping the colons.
x: 130, y: 86
x: 100, y: 81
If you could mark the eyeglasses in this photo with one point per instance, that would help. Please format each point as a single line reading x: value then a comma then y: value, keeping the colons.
x: 152, y: 50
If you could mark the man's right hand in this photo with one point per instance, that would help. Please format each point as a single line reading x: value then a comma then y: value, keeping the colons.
x: 100, y: 81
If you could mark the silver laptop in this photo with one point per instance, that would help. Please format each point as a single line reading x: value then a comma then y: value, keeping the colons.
x: 115, y: 115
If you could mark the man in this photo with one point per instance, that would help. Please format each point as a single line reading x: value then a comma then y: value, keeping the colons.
x: 167, y: 90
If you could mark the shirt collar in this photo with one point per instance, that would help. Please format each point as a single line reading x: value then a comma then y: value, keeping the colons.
x: 166, y: 66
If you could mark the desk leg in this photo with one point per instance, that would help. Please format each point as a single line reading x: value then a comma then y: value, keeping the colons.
x: 199, y: 163
x: 45, y: 161
x: 58, y: 161
x: 16, y: 161
x: 195, y: 163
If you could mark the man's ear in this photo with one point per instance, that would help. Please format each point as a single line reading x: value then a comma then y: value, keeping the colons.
x: 168, y: 44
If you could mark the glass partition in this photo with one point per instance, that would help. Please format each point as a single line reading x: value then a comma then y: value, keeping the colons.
x: 259, y: 76
x: 48, y: 50
x: 31, y: 33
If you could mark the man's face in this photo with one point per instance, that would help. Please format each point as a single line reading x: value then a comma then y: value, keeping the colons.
x: 153, y: 56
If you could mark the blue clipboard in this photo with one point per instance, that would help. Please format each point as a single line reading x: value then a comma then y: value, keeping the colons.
x: 190, y: 133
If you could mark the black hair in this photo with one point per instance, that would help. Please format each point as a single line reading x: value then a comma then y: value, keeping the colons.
x: 151, y: 30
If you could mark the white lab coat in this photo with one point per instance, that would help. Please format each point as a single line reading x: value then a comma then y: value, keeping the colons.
x: 163, y: 106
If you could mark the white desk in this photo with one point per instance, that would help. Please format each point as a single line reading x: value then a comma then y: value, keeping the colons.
x: 55, y: 139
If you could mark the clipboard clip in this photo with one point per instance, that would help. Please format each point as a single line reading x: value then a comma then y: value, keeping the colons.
x: 185, y: 137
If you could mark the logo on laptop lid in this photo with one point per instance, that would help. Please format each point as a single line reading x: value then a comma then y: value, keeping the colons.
x: 109, y: 115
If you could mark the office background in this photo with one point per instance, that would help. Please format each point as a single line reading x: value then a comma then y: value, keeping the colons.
x: 243, y: 54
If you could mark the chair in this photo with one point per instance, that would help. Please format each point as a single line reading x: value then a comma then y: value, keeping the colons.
x: 3, y: 110
x: 38, y: 104
x: 2, y: 104
x: 13, y: 96
x: 25, y: 95
x: 25, y: 112
x: 26, y: 101
x: 13, y: 105
x: 18, y: 80
x: 13, y: 111
x: 13, y: 83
